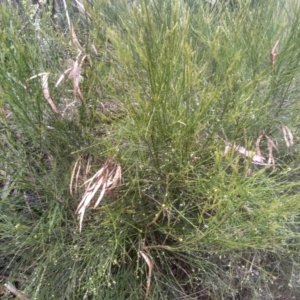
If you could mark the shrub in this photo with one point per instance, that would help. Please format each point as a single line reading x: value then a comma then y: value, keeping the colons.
x: 180, y: 117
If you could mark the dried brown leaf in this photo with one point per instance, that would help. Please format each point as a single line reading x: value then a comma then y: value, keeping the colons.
x: 271, y: 145
x: 150, y: 268
x: 94, y: 49
x: 117, y: 178
x: 244, y: 151
x: 45, y: 88
x: 87, y: 198
x: 62, y: 77
x: 75, y: 39
x: 257, y: 145
x: 98, y: 174
x: 73, y: 73
x: 106, y: 179
x: 77, y: 168
x: 258, y: 160
x: 274, y: 53
x: 288, y: 136
x: 103, y: 191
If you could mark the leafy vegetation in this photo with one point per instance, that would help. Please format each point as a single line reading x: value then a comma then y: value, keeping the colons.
x: 176, y: 120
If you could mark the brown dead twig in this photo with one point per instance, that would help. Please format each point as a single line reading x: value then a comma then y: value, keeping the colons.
x: 105, y: 181
x: 274, y: 53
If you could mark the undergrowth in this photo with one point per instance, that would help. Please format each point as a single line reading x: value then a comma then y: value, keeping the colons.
x: 176, y: 120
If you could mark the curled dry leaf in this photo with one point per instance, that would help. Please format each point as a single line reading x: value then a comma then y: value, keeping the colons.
x: 45, y: 88
x: 105, y: 180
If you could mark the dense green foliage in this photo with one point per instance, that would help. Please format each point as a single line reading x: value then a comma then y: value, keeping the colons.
x: 166, y: 86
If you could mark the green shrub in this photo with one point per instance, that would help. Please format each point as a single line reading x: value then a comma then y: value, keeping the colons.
x: 186, y: 98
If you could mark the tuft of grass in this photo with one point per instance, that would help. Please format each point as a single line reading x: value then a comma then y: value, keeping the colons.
x: 197, y: 103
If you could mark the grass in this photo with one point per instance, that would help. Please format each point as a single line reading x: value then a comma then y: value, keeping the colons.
x: 147, y: 96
